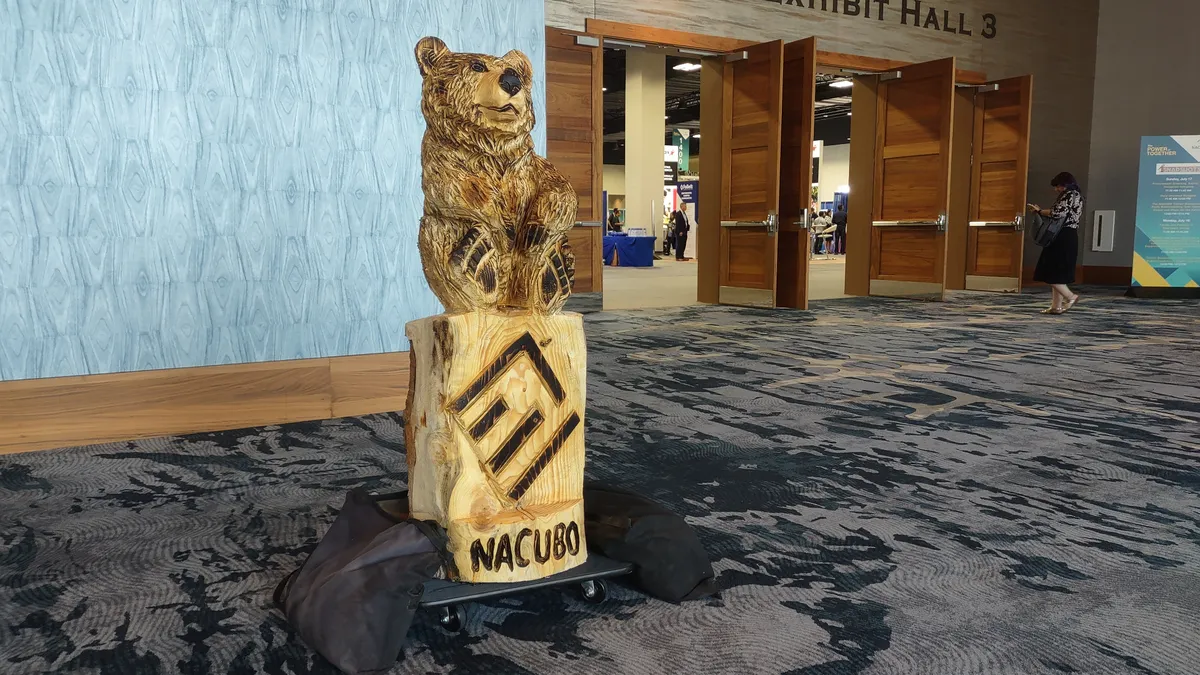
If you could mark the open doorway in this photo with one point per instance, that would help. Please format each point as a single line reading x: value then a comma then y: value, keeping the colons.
x: 651, y: 186
x: 831, y: 185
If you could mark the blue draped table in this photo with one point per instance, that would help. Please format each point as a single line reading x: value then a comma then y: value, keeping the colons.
x: 625, y: 251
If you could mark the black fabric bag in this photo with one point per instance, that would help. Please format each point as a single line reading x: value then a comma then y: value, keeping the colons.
x: 1043, y: 229
x: 669, y: 561
x: 354, y: 599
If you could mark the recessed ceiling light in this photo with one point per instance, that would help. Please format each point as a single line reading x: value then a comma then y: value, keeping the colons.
x: 603, y: 88
x: 841, y: 84
x: 688, y: 67
x: 695, y: 135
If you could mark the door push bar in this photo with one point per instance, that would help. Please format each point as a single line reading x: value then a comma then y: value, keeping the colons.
x: 981, y: 88
x: 805, y: 221
x: 771, y: 223
x: 1017, y: 223
x: 940, y: 223
x: 588, y: 223
x: 884, y: 76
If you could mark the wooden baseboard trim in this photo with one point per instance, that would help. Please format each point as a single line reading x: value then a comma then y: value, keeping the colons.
x: 1097, y: 275
x: 70, y: 411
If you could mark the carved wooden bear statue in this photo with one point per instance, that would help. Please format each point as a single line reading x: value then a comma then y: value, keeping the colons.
x: 494, y: 235
x: 496, y: 408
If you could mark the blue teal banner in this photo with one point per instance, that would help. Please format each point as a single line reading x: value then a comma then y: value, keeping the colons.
x: 1166, y: 249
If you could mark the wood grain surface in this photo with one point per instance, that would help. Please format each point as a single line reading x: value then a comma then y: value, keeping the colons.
x: 69, y: 411
x: 961, y: 190
x: 708, y: 243
x: 865, y: 108
x: 495, y: 437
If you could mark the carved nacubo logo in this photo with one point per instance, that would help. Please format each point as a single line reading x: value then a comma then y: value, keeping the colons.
x: 511, y: 469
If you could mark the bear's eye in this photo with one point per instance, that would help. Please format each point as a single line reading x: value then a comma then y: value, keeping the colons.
x: 478, y: 67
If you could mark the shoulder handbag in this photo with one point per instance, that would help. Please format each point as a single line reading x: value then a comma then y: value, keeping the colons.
x: 1045, y: 229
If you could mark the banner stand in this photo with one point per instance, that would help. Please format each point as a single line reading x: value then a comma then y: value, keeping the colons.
x: 1166, y: 247
x: 1160, y: 293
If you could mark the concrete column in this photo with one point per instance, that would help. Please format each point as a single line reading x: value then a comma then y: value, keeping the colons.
x: 645, y: 128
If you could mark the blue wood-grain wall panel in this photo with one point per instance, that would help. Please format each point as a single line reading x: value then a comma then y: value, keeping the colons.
x: 202, y: 182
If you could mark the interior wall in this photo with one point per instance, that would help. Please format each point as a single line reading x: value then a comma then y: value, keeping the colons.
x: 1143, y: 52
x: 614, y: 179
x: 645, y: 126
x: 1054, y: 41
x: 835, y: 170
x: 195, y: 183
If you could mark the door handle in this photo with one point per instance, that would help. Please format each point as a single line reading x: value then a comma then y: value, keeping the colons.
x: 1017, y: 223
x: 771, y: 223
x: 940, y: 223
x: 805, y: 220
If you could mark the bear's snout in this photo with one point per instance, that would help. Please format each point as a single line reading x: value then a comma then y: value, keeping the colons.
x: 510, y: 83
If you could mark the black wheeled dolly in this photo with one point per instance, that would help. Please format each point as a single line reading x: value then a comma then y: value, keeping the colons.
x: 449, y: 597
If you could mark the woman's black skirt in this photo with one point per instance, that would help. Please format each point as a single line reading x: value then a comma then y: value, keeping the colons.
x: 1057, y: 263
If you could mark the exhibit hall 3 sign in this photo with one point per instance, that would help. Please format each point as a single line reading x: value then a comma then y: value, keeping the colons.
x: 921, y: 14
x: 497, y: 412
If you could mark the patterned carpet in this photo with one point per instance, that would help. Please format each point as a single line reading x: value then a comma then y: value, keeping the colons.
x: 884, y: 487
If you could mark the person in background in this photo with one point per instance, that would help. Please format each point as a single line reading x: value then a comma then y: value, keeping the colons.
x: 614, y: 221
x: 1056, y: 266
x: 815, y: 229
x: 827, y: 227
x: 681, y: 227
x: 839, y: 236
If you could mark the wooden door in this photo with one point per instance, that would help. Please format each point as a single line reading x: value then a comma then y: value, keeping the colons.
x: 914, y: 127
x: 795, y: 178
x: 753, y: 102
x: 574, y: 119
x: 1000, y: 173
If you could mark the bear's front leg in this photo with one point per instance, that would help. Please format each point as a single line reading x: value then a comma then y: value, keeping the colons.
x: 545, y: 265
x: 462, y: 264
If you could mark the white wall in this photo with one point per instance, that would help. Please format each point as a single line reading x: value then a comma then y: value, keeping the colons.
x: 614, y: 179
x: 1147, y: 62
x: 835, y: 170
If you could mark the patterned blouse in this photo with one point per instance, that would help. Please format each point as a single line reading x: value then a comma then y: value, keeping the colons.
x: 1070, y: 205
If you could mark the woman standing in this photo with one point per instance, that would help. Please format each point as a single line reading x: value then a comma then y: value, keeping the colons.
x: 1056, y: 266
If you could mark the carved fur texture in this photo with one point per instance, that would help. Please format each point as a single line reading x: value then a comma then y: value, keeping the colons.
x: 494, y: 235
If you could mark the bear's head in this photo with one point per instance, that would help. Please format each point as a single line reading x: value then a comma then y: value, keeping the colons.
x: 476, y: 98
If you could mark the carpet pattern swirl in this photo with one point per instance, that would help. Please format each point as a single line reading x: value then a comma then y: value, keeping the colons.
x: 884, y: 487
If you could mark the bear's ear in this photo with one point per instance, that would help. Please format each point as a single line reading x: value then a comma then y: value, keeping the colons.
x: 429, y: 51
x: 520, y: 63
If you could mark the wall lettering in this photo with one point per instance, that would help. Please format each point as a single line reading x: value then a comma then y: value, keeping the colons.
x: 512, y: 552
x: 912, y: 13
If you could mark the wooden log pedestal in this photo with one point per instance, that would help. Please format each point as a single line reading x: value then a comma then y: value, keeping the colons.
x: 495, y: 440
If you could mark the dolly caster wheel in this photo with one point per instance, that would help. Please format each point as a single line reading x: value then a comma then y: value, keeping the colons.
x: 452, y: 618
x: 594, y: 591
